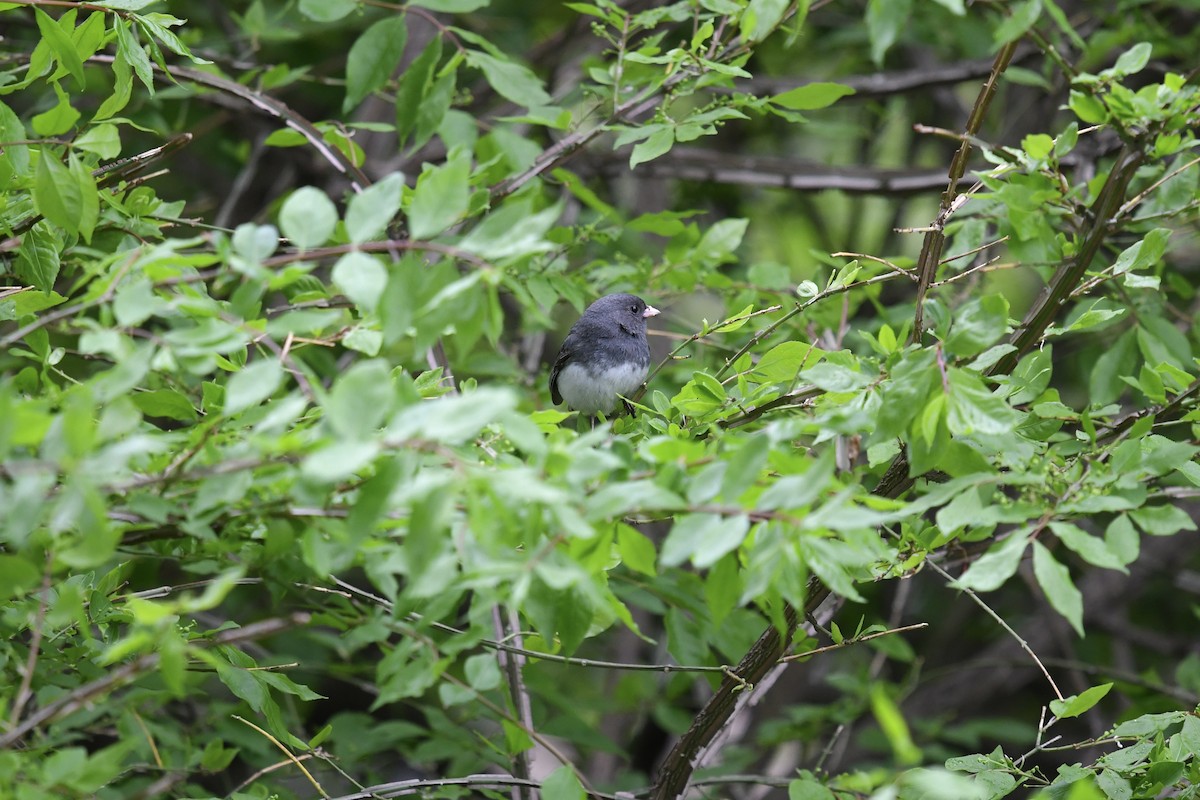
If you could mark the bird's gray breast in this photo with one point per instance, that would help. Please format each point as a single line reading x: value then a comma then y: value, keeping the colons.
x: 595, y: 389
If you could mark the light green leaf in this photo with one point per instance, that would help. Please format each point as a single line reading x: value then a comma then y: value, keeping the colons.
x: 808, y: 789
x: 1075, y: 705
x: 451, y: 6
x: 57, y: 192
x: 974, y: 409
x: 636, y: 550
x: 615, y: 500
x: 812, y: 96
x: 511, y: 81
x: 892, y: 723
x: 761, y: 17
x: 1132, y: 60
x: 1055, y: 580
x: 60, y: 43
x: 451, y: 419
x: 514, y: 229
x: 17, y: 576
x: 1162, y: 520
x: 361, y: 399
x: 1021, y: 18
x: 703, y: 538
x: 441, y: 197
x: 370, y: 211
x: 327, y: 10
x: 655, y: 145
x: 995, y: 566
x: 562, y: 784
x: 977, y: 325
x: 165, y: 403
x: 361, y: 278
x: 784, y: 361
x: 1091, y: 549
x: 885, y: 19
x: 721, y: 239
x: 308, y: 218
x: 257, y: 381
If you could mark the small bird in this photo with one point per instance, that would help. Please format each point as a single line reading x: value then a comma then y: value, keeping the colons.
x: 605, y: 355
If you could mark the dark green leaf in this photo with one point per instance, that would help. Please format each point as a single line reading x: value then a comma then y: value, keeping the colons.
x: 373, y: 58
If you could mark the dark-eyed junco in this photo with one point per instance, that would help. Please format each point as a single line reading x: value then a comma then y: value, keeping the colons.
x: 605, y: 355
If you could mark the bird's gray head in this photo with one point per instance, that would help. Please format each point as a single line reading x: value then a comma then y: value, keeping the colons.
x: 630, y: 311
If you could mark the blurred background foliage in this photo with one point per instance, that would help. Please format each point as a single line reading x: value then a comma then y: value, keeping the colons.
x: 285, y: 510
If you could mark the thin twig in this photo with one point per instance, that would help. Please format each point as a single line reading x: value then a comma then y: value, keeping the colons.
x: 1000, y: 621
x: 288, y: 753
x: 78, y: 697
x: 853, y: 640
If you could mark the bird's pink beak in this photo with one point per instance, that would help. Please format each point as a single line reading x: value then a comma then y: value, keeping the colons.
x: 651, y: 311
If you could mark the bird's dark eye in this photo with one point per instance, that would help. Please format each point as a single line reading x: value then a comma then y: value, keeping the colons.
x: 634, y: 309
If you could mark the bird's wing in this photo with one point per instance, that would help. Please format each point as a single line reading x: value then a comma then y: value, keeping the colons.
x: 565, y: 354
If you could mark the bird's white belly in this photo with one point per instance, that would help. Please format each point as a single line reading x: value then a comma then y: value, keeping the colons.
x: 591, y: 392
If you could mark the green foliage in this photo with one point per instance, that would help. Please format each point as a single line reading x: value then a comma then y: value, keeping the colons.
x: 283, y: 501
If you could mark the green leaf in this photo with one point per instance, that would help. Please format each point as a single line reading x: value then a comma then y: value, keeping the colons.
x: 1142, y: 254
x: 38, y: 258
x: 1075, y: 705
x: 615, y: 500
x: 885, y: 19
x: 807, y: 789
x: 1091, y: 549
x: 977, y: 325
x: 1038, y: 146
x: 361, y: 399
x: 892, y: 723
x: 562, y: 784
x: 60, y: 43
x: 812, y: 96
x: 1132, y: 60
x: 1087, y: 107
x: 1162, y: 520
x: 257, y: 381
x: 514, y: 229
x: 104, y: 140
x: 762, y: 17
x: 441, y: 197
x: 373, y: 58
x: 974, y: 409
x: 58, y: 193
x: 636, y: 550
x: 835, y: 377
x: 655, y: 145
x: 721, y: 239
x: 17, y: 576
x: 308, y: 218
x: 1021, y: 18
x: 783, y: 362
x: 362, y: 278
x: 1055, y: 580
x: 165, y: 403
x: 955, y: 7
x: 451, y: 6
x: 995, y: 566
x: 482, y: 672
x: 327, y: 10
x: 370, y: 211
x: 452, y: 419
x: 510, y: 80
x: 703, y: 538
